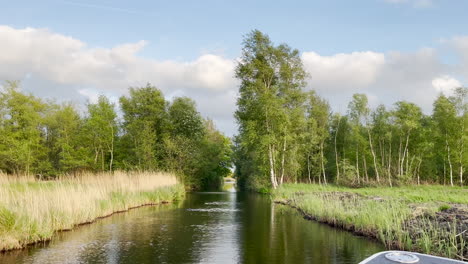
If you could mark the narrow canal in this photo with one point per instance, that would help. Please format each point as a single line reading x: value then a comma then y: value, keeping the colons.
x: 207, y: 227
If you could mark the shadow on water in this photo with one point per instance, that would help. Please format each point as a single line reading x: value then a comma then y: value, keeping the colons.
x: 207, y: 227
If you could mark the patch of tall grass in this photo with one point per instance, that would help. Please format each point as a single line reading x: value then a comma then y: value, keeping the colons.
x: 31, y: 211
x: 418, y: 194
x: 382, y: 213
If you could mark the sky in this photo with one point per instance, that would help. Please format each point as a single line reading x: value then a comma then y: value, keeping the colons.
x: 75, y: 50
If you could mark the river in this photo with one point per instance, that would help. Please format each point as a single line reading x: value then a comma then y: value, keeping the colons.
x: 207, y: 227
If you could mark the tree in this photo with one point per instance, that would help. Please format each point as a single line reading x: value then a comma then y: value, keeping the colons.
x: 186, y: 129
x: 101, y: 128
x: 358, y: 112
x: 65, y: 139
x: 383, y: 132
x: 318, y: 112
x: 460, y: 100
x: 407, y: 117
x: 184, y: 118
x: 21, y: 137
x: 446, y: 122
x: 146, y: 126
x: 270, y: 99
x: 212, y: 161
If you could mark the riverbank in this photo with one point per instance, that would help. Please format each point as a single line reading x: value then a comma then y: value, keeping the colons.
x: 32, y: 211
x: 427, y: 219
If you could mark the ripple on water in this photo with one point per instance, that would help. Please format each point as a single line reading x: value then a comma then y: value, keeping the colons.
x: 212, y: 210
x: 218, y: 203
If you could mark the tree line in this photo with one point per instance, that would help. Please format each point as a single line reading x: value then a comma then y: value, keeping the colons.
x: 43, y: 137
x: 287, y: 134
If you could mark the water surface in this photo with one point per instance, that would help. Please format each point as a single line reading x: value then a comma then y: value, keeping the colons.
x: 210, y: 227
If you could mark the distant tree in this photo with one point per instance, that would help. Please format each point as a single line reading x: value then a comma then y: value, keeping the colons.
x: 146, y: 126
x: 407, y: 120
x: 101, y: 128
x: 184, y: 118
x: 22, y: 147
x: 318, y: 113
x: 65, y: 137
x: 187, y: 130
x: 383, y: 134
x: 460, y: 100
x: 213, y: 160
x: 446, y: 122
x: 358, y: 112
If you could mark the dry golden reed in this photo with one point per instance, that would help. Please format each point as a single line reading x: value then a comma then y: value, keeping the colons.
x: 31, y: 210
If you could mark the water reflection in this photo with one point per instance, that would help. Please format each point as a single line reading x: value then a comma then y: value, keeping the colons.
x: 214, y: 227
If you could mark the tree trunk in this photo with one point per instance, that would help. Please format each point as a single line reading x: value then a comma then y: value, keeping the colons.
x: 323, y: 163
x: 445, y: 172
x: 102, y: 159
x: 308, y: 167
x: 419, y: 166
x: 399, y: 158
x: 282, y: 161
x: 272, y: 165
x: 461, y: 158
x: 389, y: 169
x: 405, y: 151
x: 111, y: 149
x: 411, y: 168
x: 336, y: 153
x: 462, y: 148
x: 449, y: 161
x: 357, y: 166
x: 96, y: 155
x: 365, y: 168
x: 373, y: 156
x: 408, y: 168
x: 461, y: 174
x: 382, y: 155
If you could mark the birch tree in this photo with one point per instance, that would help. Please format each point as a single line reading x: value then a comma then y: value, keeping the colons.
x: 271, y: 78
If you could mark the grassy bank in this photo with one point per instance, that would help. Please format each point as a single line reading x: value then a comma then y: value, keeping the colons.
x: 31, y: 211
x: 428, y: 219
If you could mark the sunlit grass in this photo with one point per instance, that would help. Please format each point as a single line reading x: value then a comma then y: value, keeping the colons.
x: 421, y: 193
x: 383, y: 212
x: 32, y: 211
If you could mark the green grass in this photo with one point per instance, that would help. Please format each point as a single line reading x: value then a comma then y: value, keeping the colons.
x: 418, y: 194
x: 32, y: 211
x: 383, y: 212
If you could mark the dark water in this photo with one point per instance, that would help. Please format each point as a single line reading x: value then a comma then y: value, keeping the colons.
x: 212, y: 227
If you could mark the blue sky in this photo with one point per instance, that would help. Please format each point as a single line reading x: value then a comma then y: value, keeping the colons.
x: 185, y: 29
x: 410, y: 44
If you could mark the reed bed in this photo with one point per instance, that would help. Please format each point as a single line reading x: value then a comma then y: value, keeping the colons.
x: 407, y: 218
x: 31, y: 211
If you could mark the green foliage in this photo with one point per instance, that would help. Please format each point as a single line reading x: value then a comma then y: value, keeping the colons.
x: 145, y: 125
x: 289, y: 135
x: 101, y: 132
x: 270, y: 109
x: 48, y: 139
x: 21, y: 131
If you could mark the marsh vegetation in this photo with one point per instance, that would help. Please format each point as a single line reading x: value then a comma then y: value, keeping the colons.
x: 428, y: 219
x: 32, y: 211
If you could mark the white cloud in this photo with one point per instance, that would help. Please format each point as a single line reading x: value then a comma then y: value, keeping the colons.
x: 385, y: 78
x: 331, y: 73
x: 51, y: 64
x: 65, y: 60
x: 445, y: 84
x: 54, y: 65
